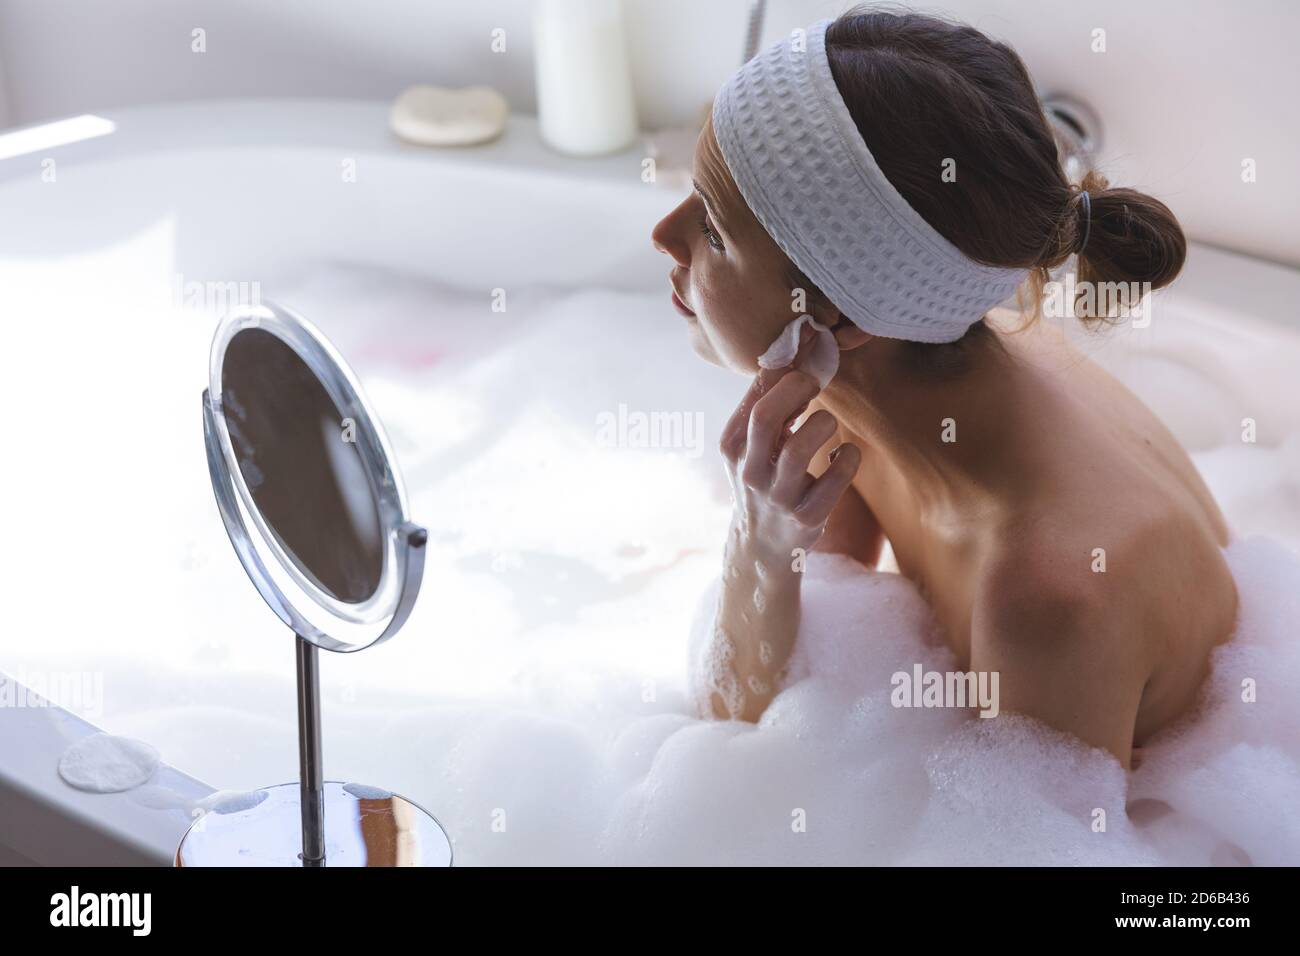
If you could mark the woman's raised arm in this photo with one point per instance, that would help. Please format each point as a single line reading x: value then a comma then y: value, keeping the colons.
x: 780, y: 513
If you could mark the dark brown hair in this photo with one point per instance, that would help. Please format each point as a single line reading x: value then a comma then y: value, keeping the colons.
x: 924, y: 90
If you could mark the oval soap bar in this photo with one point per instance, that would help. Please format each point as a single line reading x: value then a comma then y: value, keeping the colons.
x: 438, y: 116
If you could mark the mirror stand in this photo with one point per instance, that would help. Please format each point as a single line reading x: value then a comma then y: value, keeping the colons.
x: 315, y: 822
x: 311, y: 771
x: 307, y: 485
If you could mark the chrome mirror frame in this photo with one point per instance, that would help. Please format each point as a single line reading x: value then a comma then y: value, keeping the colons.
x: 404, y: 541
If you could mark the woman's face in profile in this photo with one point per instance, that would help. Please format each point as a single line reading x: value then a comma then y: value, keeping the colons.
x: 727, y: 271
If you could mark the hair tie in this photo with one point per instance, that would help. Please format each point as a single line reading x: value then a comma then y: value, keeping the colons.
x: 1087, y: 221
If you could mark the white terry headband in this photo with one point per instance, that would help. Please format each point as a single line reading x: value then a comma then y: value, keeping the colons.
x: 807, y: 175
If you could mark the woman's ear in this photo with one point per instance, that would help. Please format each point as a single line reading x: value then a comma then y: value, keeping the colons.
x: 847, y: 335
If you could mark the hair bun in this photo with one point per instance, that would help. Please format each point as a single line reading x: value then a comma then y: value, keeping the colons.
x: 1134, y: 242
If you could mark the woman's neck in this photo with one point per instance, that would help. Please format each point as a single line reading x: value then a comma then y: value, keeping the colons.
x: 949, y: 433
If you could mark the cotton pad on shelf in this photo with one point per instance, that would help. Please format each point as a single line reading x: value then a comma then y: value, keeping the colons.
x: 102, y: 763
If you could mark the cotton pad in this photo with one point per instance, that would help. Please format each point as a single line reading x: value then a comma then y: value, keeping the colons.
x: 102, y: 763
x: 821, y: 359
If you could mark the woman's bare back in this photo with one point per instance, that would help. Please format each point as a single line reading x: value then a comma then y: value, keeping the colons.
x: 1106, y: 525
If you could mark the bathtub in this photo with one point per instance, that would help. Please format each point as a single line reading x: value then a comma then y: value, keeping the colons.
x: 576, y: 507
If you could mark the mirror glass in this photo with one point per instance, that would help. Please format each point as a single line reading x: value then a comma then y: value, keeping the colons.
x: 298, y: 457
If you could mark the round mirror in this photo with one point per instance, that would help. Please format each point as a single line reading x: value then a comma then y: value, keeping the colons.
x: 306, y: 482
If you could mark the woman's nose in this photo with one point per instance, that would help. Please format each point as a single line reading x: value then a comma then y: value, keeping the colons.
x: 666, y: 237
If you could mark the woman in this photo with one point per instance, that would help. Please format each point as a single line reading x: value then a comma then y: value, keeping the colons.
x: 1059, y: 533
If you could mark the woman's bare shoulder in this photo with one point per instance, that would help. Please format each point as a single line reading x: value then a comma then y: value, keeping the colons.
x: 1063, y: 577
x: 1065, y: 652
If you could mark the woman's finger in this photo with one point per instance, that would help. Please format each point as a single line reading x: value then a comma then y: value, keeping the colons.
x: 772, y: 415
x: 734, y: 432
x: 825, y: 491
x: 731, y: 442
x: 792, y: 478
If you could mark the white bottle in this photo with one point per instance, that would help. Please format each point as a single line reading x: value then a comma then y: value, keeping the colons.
x: 584, y: 86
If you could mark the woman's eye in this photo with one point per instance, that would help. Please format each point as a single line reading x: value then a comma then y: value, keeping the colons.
x: 709, y: 235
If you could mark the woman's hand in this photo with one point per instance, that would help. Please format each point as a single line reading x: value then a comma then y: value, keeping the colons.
x: 779, y: 505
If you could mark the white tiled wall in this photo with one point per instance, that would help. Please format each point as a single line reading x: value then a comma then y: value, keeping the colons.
x: 1188, y: 89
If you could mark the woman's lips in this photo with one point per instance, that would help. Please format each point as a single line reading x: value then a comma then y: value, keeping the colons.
x: 680, y: 306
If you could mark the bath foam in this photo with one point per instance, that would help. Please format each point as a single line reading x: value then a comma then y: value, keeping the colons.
x: 219, y: 801
x: 102, y: 763
x: 1234, y: 767
x: 232, y: 801
x: 938, y: 787
x: 833, y: 774
x: 1257, y: 486
x: 363, y: 791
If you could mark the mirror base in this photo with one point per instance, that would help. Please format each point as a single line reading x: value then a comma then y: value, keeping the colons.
x: 364, y: 826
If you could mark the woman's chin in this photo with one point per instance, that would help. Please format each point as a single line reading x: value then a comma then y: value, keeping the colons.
x: 702, y: 346
x: 705, y: 350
